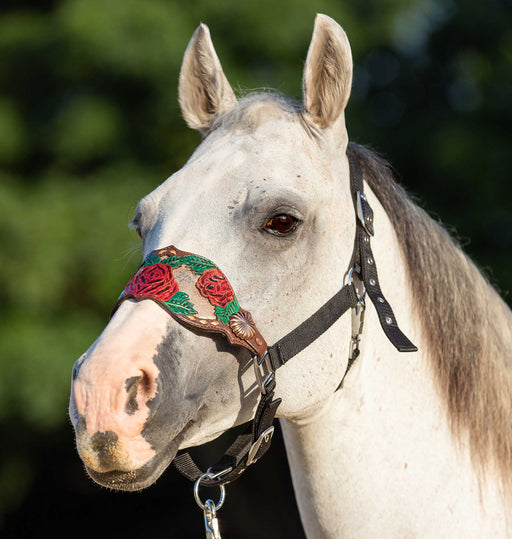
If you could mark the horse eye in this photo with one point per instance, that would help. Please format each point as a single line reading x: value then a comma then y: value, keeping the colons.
x: 281, y: 224
x: 134, y: 223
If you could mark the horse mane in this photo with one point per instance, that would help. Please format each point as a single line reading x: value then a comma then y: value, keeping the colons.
x: 466, y: 324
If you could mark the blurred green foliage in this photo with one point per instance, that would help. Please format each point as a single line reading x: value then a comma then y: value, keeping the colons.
x: 89, y: 123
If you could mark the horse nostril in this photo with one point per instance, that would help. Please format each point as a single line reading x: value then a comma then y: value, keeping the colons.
x: 141, y: 390
x: 132, y: 386
x: 76, y: 367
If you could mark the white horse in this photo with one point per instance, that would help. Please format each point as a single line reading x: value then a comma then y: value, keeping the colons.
x: 411, y: 445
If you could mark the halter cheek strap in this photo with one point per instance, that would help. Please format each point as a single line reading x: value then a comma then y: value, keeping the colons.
x: 194, y: 291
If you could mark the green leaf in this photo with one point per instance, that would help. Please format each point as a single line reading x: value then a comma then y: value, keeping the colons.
x: 232, y: 307
x: 150, y: 260
x: 225, y: 313
x: 198, y: 264
x: 220, y: 313
x: 180, y: 303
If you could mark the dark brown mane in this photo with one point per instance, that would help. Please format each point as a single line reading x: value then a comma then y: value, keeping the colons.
x: 466, y: 324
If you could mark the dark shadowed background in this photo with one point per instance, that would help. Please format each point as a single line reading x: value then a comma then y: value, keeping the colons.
x: 89, y: 123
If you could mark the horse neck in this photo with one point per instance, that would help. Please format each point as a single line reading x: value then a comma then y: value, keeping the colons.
x: 368, y: 461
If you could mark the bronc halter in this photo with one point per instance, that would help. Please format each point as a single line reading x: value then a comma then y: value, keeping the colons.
x: 197, y: 294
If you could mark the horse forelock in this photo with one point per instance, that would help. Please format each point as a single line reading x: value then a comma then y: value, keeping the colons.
x: 467, y: 326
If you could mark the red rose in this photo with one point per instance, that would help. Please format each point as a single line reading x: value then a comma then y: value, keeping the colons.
x: 156, y: 281
x: 213, y: 286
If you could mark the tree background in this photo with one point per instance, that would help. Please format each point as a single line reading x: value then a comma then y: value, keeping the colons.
x: 89, y: 123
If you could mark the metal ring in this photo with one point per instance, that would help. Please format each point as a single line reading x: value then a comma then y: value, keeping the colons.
x: 213, y: 475
x: 196, y: 492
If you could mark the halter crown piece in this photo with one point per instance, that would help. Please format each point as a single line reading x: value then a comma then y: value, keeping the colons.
x: 195, y: 292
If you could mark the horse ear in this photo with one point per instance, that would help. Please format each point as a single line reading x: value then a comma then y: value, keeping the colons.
x: 204, y: 91
x: 327, y: 72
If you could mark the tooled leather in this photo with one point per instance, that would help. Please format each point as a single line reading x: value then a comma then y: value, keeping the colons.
x: 208, y: 302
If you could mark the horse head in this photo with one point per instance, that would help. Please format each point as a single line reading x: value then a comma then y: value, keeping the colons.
x: 266, y: 197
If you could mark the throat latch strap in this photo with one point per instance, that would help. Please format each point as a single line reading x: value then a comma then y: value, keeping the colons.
x: 363, y: 261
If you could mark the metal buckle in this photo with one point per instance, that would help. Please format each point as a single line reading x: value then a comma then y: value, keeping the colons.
x: 266, y: 436
x: 357, y: 329
x: 352, y: 278
x: 366, y: 220
x: 262, y: 378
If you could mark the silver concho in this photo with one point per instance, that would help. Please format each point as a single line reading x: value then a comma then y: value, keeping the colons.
x: 243, y: 325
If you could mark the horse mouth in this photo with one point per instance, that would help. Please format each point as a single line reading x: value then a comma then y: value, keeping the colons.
x: 138, y: 479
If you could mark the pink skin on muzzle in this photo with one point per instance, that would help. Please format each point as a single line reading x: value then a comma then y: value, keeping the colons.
x: 116, y: 379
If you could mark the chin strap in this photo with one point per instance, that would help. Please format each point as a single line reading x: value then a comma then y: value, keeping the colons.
x: 362, y: 279
x: 247, y: 448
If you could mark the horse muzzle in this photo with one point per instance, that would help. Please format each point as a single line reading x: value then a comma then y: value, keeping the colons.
x: 116, y: 399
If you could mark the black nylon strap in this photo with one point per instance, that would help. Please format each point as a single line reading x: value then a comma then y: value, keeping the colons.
x: 317, y: 324
x: 385, y: 313
x: 364, y: 261
x: 236, y: 457
x: 185, y: 464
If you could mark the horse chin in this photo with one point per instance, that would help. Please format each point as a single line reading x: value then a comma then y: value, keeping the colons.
x: 138, y: 479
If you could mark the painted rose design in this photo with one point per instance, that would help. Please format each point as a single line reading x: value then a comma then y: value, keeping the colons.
x: 215, y: 288
x: 156, y: 281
